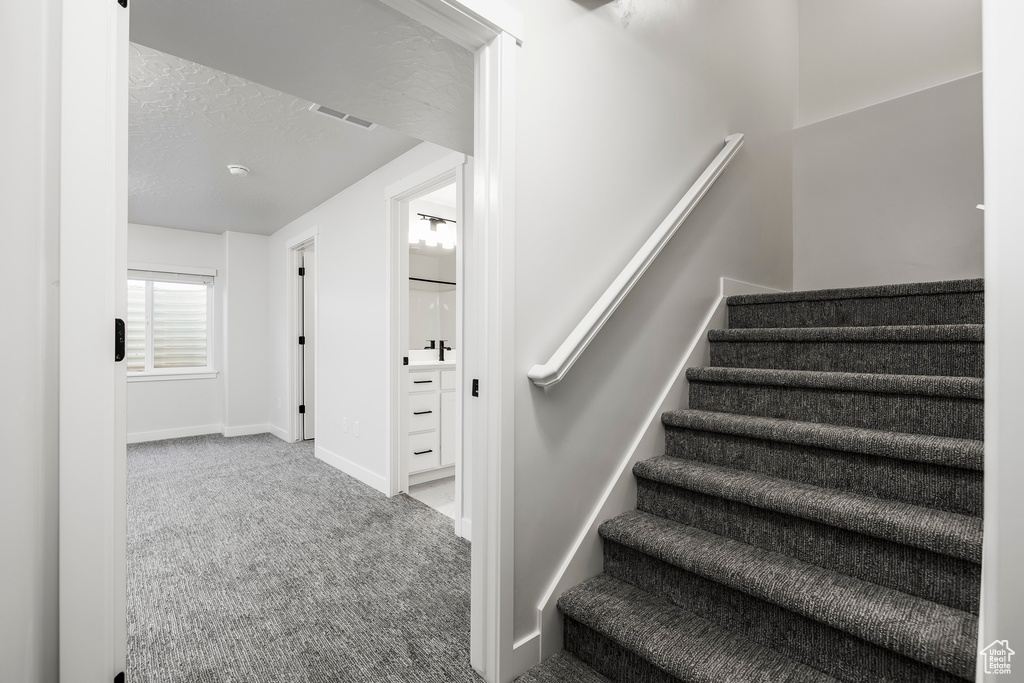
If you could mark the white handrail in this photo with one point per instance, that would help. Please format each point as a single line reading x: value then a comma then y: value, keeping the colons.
x: 555, y: 369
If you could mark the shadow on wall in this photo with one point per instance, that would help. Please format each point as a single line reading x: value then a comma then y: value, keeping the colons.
x: 593, y: 4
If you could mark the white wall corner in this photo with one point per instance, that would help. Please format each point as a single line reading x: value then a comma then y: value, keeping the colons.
x: 584, y: 559
x: 466, y: 529
x: 371, y: 479
x: 246, y: 430
x: 302, y: 237
x: 181, y: 432
x: 280, y: 433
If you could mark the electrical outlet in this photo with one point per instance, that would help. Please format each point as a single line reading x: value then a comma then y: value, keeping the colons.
x: 355, y: 428
x: 344, y: 425
x: 280, y: 403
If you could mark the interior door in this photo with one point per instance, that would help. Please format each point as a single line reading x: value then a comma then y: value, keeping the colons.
x: 307, y: 351
x: 93, y: 293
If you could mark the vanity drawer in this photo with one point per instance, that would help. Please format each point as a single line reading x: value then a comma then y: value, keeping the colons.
x: 426, y: 380
x: 424, y: 411
x: 447, y: 380
x: 424, y: 451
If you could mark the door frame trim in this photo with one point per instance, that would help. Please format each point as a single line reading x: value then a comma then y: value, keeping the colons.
x: 292, y: 248
x: 396, y: 196
x: 92, y: 515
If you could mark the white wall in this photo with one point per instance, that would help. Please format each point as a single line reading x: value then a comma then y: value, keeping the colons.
x: 246, y: 332
x: 1002, y: 592
x: 856, y: 53
x: 621, y: 106
x: 887, y: 193
x: 236, y: 401
x: 179, y: 407
x: 353, y: 315
x: 29, y: 174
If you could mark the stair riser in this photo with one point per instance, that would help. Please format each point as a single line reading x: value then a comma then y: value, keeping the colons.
x: 609, y: 658
x: 944, y: 488
x: 939, y: 578
x: 915, y: 414
x: 839, y: 654
x: 935, y: 309
x: 950, y: 359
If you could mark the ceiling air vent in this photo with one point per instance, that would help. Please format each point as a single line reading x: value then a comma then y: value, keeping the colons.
x: 327, y: 111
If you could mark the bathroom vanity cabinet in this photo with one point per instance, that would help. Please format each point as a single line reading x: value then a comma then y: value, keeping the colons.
x: 431, y: 422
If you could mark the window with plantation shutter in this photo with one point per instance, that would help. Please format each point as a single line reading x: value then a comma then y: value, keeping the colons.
x: 135, y: 337
x: 179, y: 325
x: 170, y: 324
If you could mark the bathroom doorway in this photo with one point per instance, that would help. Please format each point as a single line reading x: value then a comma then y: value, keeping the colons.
x: 433, y: 288
x: 428, y: 458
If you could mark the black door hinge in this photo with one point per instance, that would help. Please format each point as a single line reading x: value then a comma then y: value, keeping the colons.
x: 119, y: 678
x: 122, y: 3
x: 302, y: 340
x: 476, y: 388
x: 405, y: 360
x: 118, y: 340
x: 302, y: 271
x: 302, y: 409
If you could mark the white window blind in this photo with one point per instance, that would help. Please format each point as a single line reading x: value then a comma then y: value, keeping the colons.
x: 135, y: 332
x: 170, y: 322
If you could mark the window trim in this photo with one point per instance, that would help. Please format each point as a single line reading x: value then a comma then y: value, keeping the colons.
x: 167, y: 375
x: 152, y: 273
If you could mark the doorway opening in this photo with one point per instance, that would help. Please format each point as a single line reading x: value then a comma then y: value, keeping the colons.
x: 429, y: 453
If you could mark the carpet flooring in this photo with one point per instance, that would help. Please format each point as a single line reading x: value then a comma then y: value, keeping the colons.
x: 250, y: 560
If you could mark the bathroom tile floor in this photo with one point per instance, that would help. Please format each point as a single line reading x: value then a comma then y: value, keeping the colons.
x: 439, y: 494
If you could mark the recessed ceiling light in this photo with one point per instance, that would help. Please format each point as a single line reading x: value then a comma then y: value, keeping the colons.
x: 238, y: 170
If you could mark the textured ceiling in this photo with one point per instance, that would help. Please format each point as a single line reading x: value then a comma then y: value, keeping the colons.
x: 355, y: 56
x: 187, y: 122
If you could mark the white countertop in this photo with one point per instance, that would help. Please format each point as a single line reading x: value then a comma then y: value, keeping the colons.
x: 430, y: 364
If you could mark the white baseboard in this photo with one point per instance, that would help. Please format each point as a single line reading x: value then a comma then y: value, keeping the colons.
x: 161, y: 434
x: 584, y: 559
x: 372, y: 479
x: 280, y: 433
x: 464, y: 528
x: 246, y: 430
x: 431, y: 475
x: 526, y: 654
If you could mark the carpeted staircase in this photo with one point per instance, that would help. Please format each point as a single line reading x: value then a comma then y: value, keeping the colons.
x: 817, y: 513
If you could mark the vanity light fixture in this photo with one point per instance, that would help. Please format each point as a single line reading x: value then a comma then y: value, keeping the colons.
x: 439, y: 231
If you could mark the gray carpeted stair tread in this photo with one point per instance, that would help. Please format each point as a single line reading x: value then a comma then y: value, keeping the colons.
x: 935, y: 350
x: 877, y: 291
x: 936, y: 450
x: 929, y: 303
x: 686, y: 646
x: 947, y: 533
x: 562, y: 667
x: 878, y: 333
x: 927, y: 632
x: 943, y: 406
x: 915, y: 385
